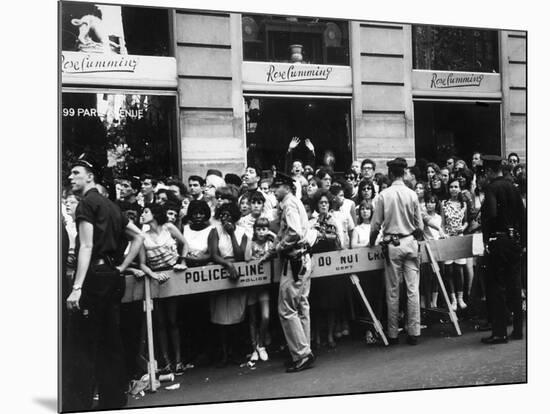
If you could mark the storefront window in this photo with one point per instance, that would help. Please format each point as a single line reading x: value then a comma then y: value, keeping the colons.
x: 283, y: 39
x: 127, y: 134
x: 100, y: 28
x: 455, y: 49
x: 271, y: 123
x: 443, y: 129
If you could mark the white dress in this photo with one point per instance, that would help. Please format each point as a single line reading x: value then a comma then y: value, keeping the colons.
x: 228, y: 307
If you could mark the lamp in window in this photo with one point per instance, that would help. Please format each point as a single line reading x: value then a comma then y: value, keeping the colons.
x: 332, y: 35
x: 250, y: 29
x: 296, y: 55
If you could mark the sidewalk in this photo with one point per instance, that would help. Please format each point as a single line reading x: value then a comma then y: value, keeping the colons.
x: 440, y: 360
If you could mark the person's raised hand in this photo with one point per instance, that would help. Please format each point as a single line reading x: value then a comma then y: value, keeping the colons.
x: 309, y: 145
x: 293, y: 143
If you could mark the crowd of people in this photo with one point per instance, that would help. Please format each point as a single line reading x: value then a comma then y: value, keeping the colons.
x: 225, y: 218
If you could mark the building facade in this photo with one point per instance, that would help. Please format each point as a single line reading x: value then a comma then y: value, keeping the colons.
x: 221, y: 90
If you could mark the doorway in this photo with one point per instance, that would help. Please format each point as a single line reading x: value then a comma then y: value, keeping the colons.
x: 450, y: 128
x: 272, y: 122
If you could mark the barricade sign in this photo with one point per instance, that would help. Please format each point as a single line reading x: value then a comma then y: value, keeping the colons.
x: 342, y: 262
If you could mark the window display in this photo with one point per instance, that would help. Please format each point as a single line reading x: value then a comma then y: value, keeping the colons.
x: 455, y: 48
x: 128, y: 134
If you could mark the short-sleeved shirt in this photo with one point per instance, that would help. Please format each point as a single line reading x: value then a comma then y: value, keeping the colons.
x: 397, y: 210
x: 108, y: 222
x: 294, y: 221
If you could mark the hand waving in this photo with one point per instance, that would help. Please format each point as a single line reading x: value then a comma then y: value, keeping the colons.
x: 293, y: 143
x: 309, y: 145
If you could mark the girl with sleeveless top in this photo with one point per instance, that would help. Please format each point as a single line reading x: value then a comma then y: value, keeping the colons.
x: 228, y: 243
x: 158, y: 254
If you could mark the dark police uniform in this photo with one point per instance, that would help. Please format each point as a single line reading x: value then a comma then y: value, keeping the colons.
x: 95, y: 351
x: 503, y: 221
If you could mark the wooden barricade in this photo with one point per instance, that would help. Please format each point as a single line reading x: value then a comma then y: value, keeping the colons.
x: 347, y: 262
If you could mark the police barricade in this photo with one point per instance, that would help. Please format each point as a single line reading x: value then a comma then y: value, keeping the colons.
x: 346, y: 262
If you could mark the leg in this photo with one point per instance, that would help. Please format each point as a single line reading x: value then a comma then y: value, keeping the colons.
x: 392, y: 271
x: 291, y: 322
x: 264, y: 322
x: 459, y: 283
x: 160, y: 328
x: 173, y: 327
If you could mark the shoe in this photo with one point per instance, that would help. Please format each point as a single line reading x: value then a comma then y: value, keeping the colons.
x: 262, y: 353
x: 412, y: 340
x: 453, y: 305
x: 254, y: 357
x: 180, y: 368
x: 338, y: 335
x: 493, y: 340
x: 462, y: 304
x: 167, y: 369
x: 517, y: 336
x: 304, y: 363
x: 393, y: 341
x: 483, y: 328
x: 345, y: 332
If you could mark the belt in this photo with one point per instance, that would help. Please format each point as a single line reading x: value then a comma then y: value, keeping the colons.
x: 401, y: 236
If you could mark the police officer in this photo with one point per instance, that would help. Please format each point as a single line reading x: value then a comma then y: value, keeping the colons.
x: 293, y: 305
x: 95, y: 355
x: 503, y: 222
x: 398, y: 214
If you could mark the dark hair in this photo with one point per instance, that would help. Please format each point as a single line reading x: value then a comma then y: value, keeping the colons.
x: 434, y: 166
x: 144, y: 177
x: 368, y: 161
x: 396, y: 170
x: 231, y: 208
x: 198, y: 206
x: 322, y: 172
x: 135, y: 183
x: 228, y: 193
x: 349, y: 171
x: 468, y: 176
x: 170, y: 196
x: 460, y: 197
x: 432, y: 197
x: 424, y: 184
x: 347, y: 187
x: 261, y: 222
x: 255, y: 168
x: 158, y: 212
x: 335, y: 189
x: 414, y: 170
x: 366, y: 204
x: 514, y: 154
x: 170, y: 205
x: 233, y: 179
x: 256, y: 196
x: 384, y: 179
x: 317, y: 197
x: 179, y: 184
x: 197, y: 178
x: 362, y: 185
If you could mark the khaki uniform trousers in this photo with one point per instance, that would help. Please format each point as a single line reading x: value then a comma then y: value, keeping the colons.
x: 293, y: 307
x: 403, y: 265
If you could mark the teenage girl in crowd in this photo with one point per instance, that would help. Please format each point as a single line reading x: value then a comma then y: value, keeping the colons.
x: 453, y: 214
x: 159, y: 254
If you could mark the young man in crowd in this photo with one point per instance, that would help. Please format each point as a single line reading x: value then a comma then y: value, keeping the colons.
x: 95, y: 350
x: 128, y: 191
x: 177, y: 188
x: 196, y: 187
x: 368, y: 168
x: 445, y: 175
x: 148, y: 184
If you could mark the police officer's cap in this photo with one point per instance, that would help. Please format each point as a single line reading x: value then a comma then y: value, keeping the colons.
x: 85, y: 160
x: 492, y: 161
x: 283, y: 179
x: 397, y: 162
